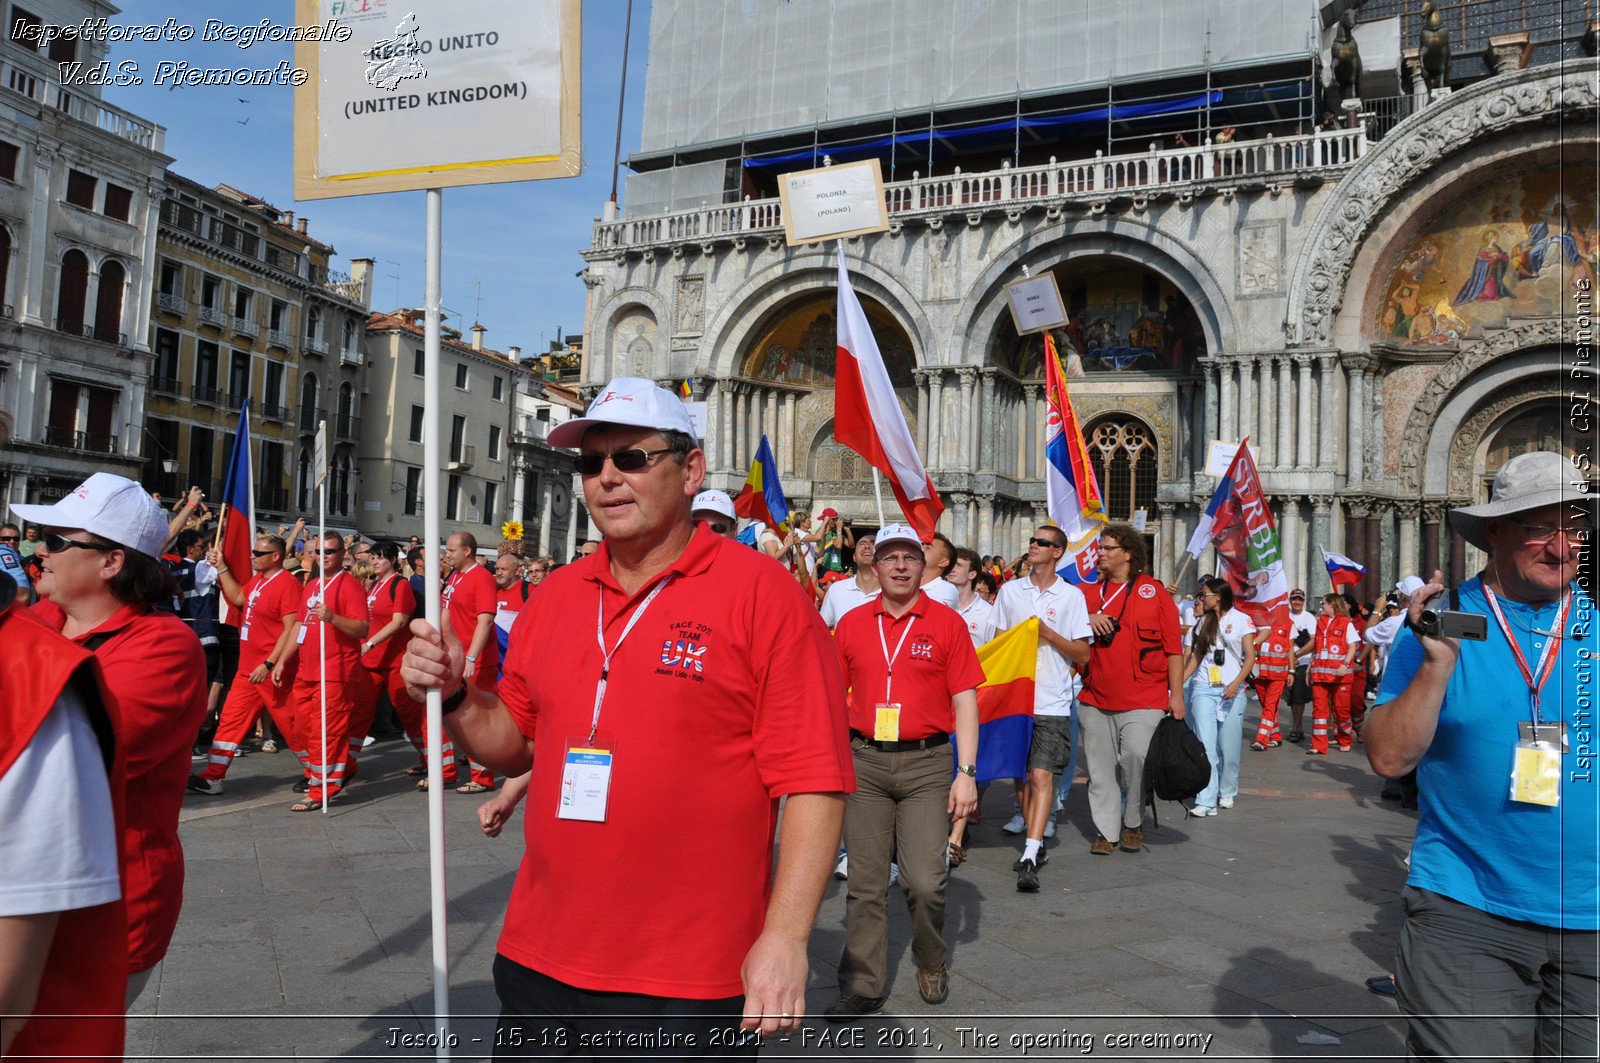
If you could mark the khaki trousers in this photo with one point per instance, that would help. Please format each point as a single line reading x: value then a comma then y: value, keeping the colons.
x: 1114, y: 747
x: 899, y: 812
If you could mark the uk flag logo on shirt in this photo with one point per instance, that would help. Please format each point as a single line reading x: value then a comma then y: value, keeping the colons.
x: 682, y: 653
x: 922, y: 648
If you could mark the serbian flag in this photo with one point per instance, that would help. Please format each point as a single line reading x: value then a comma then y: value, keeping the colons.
x: 1005, y: 702
x: 238, y: 510
x: 1342, y: 571
x: 867, y: 417
x: 762, y: 497
x: 1072, y: 494
x: 1238, y: 523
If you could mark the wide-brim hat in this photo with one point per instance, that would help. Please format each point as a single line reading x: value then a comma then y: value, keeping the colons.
x: 631, y: 402
x: 1526, y: 482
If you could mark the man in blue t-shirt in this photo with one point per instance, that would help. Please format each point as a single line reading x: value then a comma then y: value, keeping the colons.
x: 1497, y: 958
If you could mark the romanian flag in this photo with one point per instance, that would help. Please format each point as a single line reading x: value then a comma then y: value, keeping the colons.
x: 1071, y: 492
x: 686, y: 389
x: 237, y: 529
x: 1005, y: 702
x: 762, y: 496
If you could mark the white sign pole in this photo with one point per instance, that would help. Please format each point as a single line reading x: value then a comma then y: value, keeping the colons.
x: 320, y: 457
x: 877, y: 489
x: 431, y: 529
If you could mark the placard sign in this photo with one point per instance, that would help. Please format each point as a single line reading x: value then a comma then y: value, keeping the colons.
x: 435, y: 93
x: 833, y: 202
x: 1221, y: 454
x: 319, y: 454
x: 1036, y: 304
x: 697, y: 415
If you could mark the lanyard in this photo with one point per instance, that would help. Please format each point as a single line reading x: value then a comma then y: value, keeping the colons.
x: 250, y: 605
x: 1547, y: 660
x: 323, y: 583
x: 605, y: 654
x: 888, y: 683
x: 372, y: 596
x: 1105, y: 603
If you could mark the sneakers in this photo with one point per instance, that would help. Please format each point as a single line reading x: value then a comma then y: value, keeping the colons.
x: 1015, y: 825
x: 269, y: 746
x: 1050, y: 827
x: 199, y: 785
x: 1027, y: 877
x: 1101, y: 847
x: 1226, y: 802
x: 841, y: 870
x: 1044, y: 858
x: 1200, y: 812
x: 934, y: 985
x: 1258, y: 747
x: 1132, y: 839
x: 851, y: 1006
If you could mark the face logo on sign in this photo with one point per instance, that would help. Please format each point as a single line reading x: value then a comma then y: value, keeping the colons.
x: 922, y: 648
x: 1147, y: 591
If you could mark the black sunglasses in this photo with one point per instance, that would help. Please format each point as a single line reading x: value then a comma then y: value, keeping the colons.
x: 57, y: 544
x: 10, y: 538
x: 262, y: 553
x: 721, y: 527
x: 625, y: 460
x: 330, y: 550
x: 1046, y: 543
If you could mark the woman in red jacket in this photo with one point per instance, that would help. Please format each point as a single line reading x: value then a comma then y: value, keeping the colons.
x: 1332, y: 676
x: 100, y: 578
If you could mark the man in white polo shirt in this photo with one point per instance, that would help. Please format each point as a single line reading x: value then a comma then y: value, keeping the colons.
x: 977, y: 613
x: 845, y: 594
x: 939, y: 554
x: 1064, y: 636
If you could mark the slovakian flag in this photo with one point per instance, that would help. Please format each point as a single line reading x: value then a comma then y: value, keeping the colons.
x: 1005, y: 702
x: 1072, y: 494
x: 238, y: 509
x: 762, y: 496
x: 867, y: 417
x: 1342, y: 571
x: 1238, y: 523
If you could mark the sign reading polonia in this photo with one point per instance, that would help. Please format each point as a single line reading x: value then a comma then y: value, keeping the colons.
x: 435, y: 93
x: 833, y: 202
x: 1036, y: 304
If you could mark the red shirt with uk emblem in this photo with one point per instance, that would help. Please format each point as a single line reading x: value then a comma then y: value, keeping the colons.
x: 935, y: 663
x: 725, y: 697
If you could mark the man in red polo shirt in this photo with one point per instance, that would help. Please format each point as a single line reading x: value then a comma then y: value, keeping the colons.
x: 1135, y: 674
x: 469, y: 595
x: 912, y: 674
x: 336, y: 601
x: 269, y: 600
x: 708, y: 672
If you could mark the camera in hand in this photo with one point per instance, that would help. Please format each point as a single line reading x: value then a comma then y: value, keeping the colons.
x: 1451, y: 624
x: 1116, y: 626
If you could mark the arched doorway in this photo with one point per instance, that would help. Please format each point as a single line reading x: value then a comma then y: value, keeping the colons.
x: 1126, y: 461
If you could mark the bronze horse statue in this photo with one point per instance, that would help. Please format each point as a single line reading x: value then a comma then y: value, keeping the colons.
x: 1435, y: 50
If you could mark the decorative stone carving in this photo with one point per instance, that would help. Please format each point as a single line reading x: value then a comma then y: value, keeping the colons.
x: 691, y: 305
x: 1260, y: 261
x: 1469, y: 436
x: 1503, y: 104
x: 1413, y: 451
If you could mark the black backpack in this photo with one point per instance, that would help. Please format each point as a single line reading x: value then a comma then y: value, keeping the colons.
x: 1176, y: 766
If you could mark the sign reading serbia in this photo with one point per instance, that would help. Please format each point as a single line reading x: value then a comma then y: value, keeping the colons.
x: 435, y: 93
x: 833, y: 202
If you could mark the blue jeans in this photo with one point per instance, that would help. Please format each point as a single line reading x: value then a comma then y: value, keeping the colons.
x: 1222, y: 739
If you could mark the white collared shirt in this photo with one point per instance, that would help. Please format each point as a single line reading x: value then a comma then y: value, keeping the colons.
x: 942, y: 591
x: 842, y: 596
x: 1062, y: 608
x: 1306, y: 621
x: 979, y: 616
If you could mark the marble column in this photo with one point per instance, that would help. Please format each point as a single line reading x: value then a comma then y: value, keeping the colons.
x: 1458, y: 546
x: 1372, y: 466
x: 1321, y: 531
x: 1304, y: 457
x: 1211, y: 403
x: 921, y: 378
x: 1355, y: 536
x: 575, y: 493
x: 547, y: 485
x: 971, y: 421
x: 1376, y: 518
x: 1184, y: 431
x: 933, y: 457
x: 1356, y: 414
x: 1030, y: 467
x: 956, y: 506
x: 1406, y: 560
x: 1248, y: 410
x: 1228, y: 422
x: 1286, y: 408
x: 1266, y: 436
x: 1432, y: 515
x: 986, y: 538
x: 1290, y: 530
x: 1328, y: 413
x: 1161, y: 554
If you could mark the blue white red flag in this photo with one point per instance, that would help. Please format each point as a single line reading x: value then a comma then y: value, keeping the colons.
x: 238, y: 513
x: 1238, y: 523
x: 1342, y: 571
x: 1072, y: 494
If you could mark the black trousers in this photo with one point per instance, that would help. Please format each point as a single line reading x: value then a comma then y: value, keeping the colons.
x: 541, y: 1018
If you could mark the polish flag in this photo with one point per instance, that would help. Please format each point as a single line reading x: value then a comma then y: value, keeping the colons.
x: 867, y: 417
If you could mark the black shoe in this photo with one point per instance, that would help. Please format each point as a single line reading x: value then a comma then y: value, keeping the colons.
x: 1028, y: 877
x: 303, y: 786
x: 1044, y: 858
x: 850, y: 1007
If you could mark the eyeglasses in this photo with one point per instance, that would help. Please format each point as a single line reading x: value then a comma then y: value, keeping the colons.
x: 329, y: 550
x: 631, y: 460
x: 721, y: 528
x: 57, y: 544
x: 262, y: 553
x: 1046, y: 543
x: 1104, y: 546
x: 10, y: 538
x: 1542, y: 533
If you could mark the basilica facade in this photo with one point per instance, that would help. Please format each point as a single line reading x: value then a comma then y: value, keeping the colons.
x: 1387, y: 320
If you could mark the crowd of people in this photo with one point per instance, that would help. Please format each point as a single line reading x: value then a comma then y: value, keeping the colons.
x: 831, y: 668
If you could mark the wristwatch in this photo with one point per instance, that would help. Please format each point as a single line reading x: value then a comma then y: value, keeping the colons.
x: 472, y: 660
x: 968, y: 769
x: 454, y: 701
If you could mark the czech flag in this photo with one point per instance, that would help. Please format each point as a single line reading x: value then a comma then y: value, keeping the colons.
x: 1072, y: 493
x: 1005, y: 702
x: 867, y: 417
x: 762, y: 496
x: 1342, y: 571
x: 238, y: 511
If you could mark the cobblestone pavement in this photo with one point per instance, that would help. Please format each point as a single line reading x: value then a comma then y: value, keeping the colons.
x: 307, y: 936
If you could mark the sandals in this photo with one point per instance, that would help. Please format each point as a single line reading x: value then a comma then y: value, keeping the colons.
x: 310, y: 804
x: 473, y: 788
x: 1258, y: 747
x: 417, y: 769
x: 1297, y: 736
x: 957, y: 854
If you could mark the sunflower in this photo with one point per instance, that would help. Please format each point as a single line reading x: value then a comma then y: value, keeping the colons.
x: 511, y: 529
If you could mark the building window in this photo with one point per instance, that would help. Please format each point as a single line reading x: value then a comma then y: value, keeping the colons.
x: 202, y: 447
x: 452, y: 494
x: 26, y: 29
x: 241, y: 303
x: 313, y: 320
x: 413, y: 491
x: 205, y: 364
x: 108, y: 302
x: 80, y: 189
x: 491, y: 498
x: 211, y: 293
x: 494, y: 442
x: 5, y: 262
x: 119, y: 202
x: 458, y: 437
x: 171, y: 278
x: 63, y: 50
x: 1123, y: 453
x: 349, y: 343
x: 71, y: 291
x: 238, y: 377
x: 308, y: 402
x: 8, y: 160
x: 461, y: 375
x: 498, y: 387
x: 165, y: 371
x: 416, y: 424
x: 273, y: 391
x: 278, y: 316
x: 417, y: 362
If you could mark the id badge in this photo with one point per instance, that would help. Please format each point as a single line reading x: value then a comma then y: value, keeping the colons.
x: 244, y: 633
x: 300, y: 636
x: 585, y: 781
x: 1551, y: 734
x: 1536, y: 774
x: 886, y: 723
x: 1214, y: 674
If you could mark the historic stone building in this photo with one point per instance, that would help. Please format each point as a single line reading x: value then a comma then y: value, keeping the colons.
x: 1382, y: 302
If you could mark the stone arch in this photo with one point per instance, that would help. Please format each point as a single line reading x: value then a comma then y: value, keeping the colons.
x: 1469, y: 456
x: 1121, y: 237
x: 741, y: 315
x: 1414, y: 148
x: 625, y: 301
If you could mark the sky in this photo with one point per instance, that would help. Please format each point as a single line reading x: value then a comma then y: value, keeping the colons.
x: 521, y: 242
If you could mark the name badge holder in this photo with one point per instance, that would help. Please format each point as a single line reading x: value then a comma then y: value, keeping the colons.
x: 886, y: 715
x: 1536, y: 758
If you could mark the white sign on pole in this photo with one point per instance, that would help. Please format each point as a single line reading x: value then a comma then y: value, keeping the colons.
x: 319, y: 455
x: 433, y: 93
x: 832, y: 202
x: 1220, y: 456
x: 697, y: 414
x: 1140, y: 516
x: 1036, y: 304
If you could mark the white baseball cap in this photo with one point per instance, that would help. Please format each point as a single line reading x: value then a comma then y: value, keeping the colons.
x: 716, y: 502
x: 632, y: 402
x: 112, y: 507
x: 1409, y: 586
x: 896, y: 533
